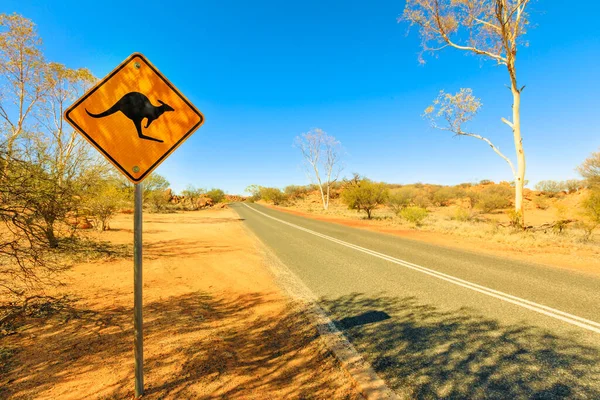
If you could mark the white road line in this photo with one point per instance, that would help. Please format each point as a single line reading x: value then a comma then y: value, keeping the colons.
x: 530, y: 305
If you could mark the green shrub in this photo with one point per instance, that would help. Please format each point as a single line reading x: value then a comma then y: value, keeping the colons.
x: 393, y: 185
x: 591, y: 206
x: 494, y: 197
x: 588, y: 228
x: 445, y: 194
x: 515, y: 218
x: 462, y: 214
x: 296, y: 192
x: 401, y: 198
x: 472, y: 196
x: 590, y: 170
x: 155, y: 193
x: 273, y: 195
x: 191, y: 195
x: 550, y: 188
x: 254, y: 191
x: 337, y: 185
x: 103, y: 200
x: 422, y: 200
x: 362, y: 194
x: 415, y: 215
x: 216, y: 195
x: 573, y: 185
x: 158, y: 200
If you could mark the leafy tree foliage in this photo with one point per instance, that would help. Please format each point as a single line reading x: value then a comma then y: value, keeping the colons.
x: 551, y: 188
x: 216, y: 195
x: 103, y: 199
x: 590, y: 169
x: 494, y: 197
x: 192, y: 195
x: 272, y: 195
x: 362, y: 194
x: 413, y: 214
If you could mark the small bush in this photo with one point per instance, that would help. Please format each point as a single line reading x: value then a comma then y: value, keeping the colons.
x: 592, y: 206
x: 541, y: 202
x: 494, y: 198
x: 254, y: 191
x: 445, y: 194
x: 472, y: 196
x: 103, y: 200
x: 486, y: 182
x: 191, y: 195
x: 515, y: 218
x: 588, y: 228
x: 415, y: 215
x: 573, y: 185
x: 156, y: 193
x: 273, y: 195
x: 362, y: 194
x: 158, y: 200
x: 216, y: 195
x: 590, y: 170
x: 463, y: 215
x: 422, y: 199
x: 401, y: 198
x: 296, y: 192
x: 550, y: 188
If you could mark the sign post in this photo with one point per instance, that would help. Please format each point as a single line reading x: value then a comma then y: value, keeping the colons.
x: 136, y: 118
x: 138, y: 339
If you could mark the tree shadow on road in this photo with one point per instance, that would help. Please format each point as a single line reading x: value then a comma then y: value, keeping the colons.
x: 197, y: 346
x: 426, y: 353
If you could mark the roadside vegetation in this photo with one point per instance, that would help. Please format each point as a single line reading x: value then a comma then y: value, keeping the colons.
x: 54, y: 188
x: 493, y: 31
x: 561, y: 212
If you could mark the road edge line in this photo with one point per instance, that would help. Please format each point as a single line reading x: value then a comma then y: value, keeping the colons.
x: 524, y: 303
x: 360, y: 371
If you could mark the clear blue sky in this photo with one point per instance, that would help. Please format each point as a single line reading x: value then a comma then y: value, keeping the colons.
x: 263, y: 72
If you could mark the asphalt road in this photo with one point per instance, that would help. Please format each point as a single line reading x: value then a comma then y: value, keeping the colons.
x: 442, y: 323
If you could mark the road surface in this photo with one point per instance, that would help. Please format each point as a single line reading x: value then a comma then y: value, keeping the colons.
x: 436, y: 322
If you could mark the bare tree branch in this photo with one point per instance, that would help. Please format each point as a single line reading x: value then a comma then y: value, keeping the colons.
x: 321, y: 153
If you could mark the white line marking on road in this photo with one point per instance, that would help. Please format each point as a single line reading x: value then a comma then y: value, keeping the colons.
x: 530, y: 305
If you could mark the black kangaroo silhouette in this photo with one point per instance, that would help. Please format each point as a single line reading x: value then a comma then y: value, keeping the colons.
x: 136, y: 107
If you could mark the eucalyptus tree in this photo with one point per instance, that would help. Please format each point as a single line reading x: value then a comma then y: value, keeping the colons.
x: 492, y: 29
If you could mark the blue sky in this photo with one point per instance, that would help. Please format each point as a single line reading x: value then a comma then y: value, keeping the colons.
x: 263, y: 72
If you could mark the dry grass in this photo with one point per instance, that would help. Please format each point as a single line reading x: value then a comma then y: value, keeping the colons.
x: 216, y: 324
x: 457, y: 225
x: 476, y: 223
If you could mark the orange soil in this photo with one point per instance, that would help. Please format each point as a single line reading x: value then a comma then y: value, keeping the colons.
x: 216, y: 324
x: 581, y: 260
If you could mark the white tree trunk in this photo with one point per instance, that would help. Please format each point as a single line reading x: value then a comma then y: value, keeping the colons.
x: 322, y: 195
x: 520, y: 178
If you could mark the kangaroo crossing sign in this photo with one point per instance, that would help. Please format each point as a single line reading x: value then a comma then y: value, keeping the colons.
x: 135, y: 117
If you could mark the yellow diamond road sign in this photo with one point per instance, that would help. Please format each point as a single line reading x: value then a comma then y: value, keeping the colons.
x: 135, y: 117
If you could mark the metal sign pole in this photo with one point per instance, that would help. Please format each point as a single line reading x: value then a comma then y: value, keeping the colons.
x: 140, y: 85
x: 138, y: 340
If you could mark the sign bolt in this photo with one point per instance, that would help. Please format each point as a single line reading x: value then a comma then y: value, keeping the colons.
x: 137, y: 65
x: 136, y: 169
